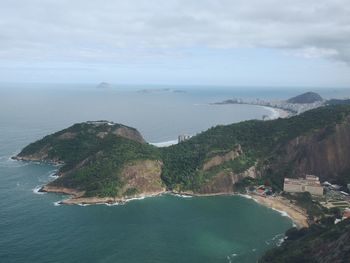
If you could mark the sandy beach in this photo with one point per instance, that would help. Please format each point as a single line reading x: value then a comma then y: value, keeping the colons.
x: 281, y: 204
x: 277, y: 112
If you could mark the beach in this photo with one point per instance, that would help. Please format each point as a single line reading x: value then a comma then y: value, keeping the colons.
x: 283, y: 205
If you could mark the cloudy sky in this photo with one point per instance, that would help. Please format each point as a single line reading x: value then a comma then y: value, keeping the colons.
x: 204, y: 42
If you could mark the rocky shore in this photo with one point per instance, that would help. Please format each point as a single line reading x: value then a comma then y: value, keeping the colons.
x: 282, y: 205
x: 79, y: 199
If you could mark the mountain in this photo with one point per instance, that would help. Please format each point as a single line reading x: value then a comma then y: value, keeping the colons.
x: 308, y: 97
x: 103, y: 159
x: 320, y: 243
x: 315, y: 142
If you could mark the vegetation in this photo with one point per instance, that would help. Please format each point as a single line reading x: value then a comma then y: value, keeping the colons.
x: 305, y: 201
x: 101, y: 173
x: 258, y: 139
x: 308, y: 97
x: 323, y: 242
x: 94, y: 155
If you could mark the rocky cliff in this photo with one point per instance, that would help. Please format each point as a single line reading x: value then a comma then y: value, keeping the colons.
x: 325, y: 153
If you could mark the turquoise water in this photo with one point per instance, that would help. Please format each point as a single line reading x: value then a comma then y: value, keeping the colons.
x: 160, y: 229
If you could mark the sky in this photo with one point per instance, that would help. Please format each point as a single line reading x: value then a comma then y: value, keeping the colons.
x: 176, y: 42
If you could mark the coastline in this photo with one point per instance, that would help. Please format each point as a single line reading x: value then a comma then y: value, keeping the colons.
x: 78, y: 199
x: 282, y: 205
x: 277, y: 112
x: 279, y: 204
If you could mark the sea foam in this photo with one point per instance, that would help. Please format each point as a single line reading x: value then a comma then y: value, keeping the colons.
x: 182, y: 196
x: 36, y: 190
x: 274, y: 113
x: 283, y: 213
x: 57, y: 203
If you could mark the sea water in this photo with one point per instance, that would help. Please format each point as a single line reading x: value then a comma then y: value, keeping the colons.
x: 35, y: 228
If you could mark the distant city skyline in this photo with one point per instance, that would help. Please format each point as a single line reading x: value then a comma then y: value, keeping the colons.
x: 270, y: 43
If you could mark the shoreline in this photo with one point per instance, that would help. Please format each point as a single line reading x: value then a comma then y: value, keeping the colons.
x: 283, y: 206
x: 77, y: 197
x: 277, y: 112
x: 279, y: 204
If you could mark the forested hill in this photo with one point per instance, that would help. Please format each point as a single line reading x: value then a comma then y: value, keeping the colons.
x: 105, y: 159
x: 308, y: 97
x: 320, y: 243
x: 265, y: 147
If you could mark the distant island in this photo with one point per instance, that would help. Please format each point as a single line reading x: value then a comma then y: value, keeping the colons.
x: 104, y: 85
x: 158, y: 90
x: 105, y: 162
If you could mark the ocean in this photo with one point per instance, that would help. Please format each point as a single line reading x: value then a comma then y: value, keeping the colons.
x: 33, y: 228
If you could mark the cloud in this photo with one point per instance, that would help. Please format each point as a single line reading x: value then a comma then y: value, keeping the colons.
x: 117, y: 30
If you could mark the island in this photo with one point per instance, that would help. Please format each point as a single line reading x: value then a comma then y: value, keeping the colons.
x: 104, y: 85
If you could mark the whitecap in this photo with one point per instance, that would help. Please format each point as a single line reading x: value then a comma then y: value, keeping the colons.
x: 283, y: 213
x: 275, y: 114
x: 246, y: 196
x: 36, y: 190
x: 112, y: 204
x: 280, y: 241
x: 135, y: 198
x: 83, y: 204
x: 57, y: 203
x: 183, y: 196
x: 53, y: 175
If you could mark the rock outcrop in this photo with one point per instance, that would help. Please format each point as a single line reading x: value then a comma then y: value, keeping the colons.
x: 325, y: 153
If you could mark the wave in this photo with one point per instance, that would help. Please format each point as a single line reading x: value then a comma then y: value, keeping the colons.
x: 135, y: 198
x: 57, y: 203
x: 276, y: 240
x: 182, y: 196
x: 53, y: 175
x: 112, y: 204
x: 245, y: 196
x: 283, y: 213
x: 275, y: 114
x: 164, y: 144
x: 36, y: 190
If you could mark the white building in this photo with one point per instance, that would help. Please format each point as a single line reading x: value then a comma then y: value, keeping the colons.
x: 309, y: 184
x: 183, y: 138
